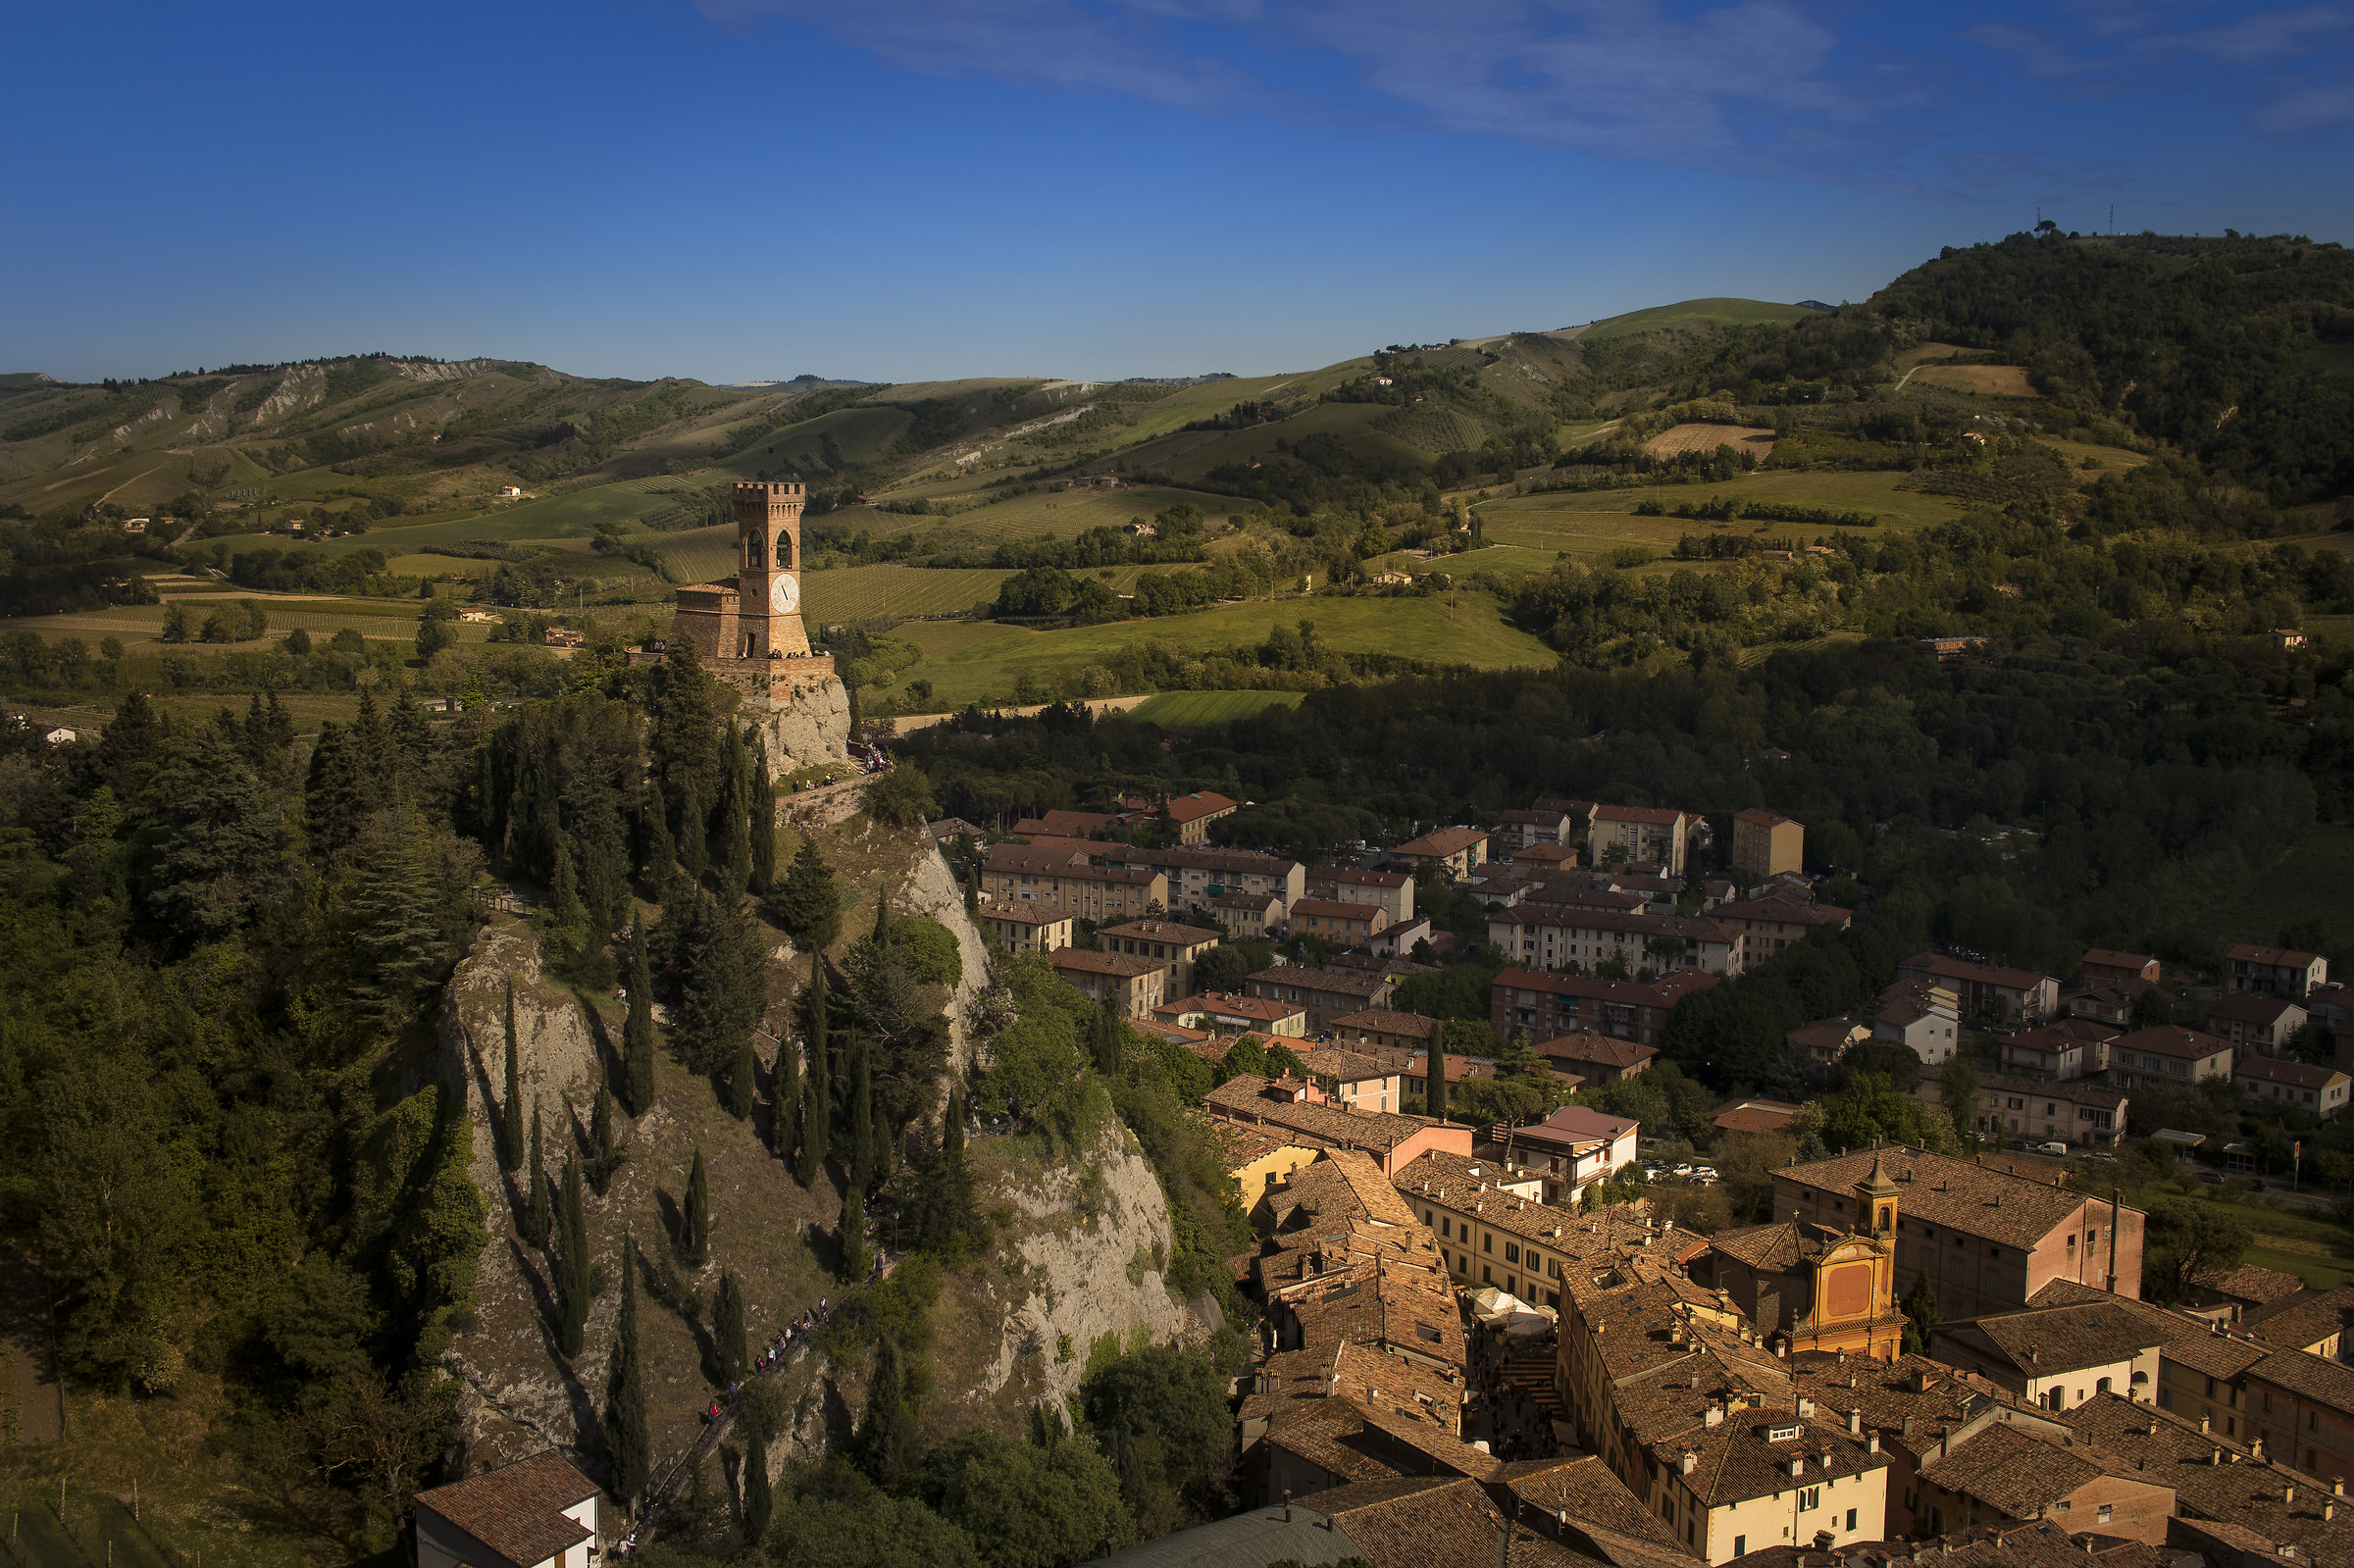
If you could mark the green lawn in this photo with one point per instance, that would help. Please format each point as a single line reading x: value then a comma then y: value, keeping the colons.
x: 1185, y: 710
x: 1596, y: 522
x: 1697, y: 313
x: 974, y: 661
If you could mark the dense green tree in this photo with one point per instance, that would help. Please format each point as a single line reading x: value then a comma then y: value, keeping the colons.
x: 729, y: 1359
x: 759, y: 1502
x: 211, y: 856
x: 762, y: 827
x: 886, y: 1433
x: 1921, y: 1315
x: 1160, y: 1415
x: 743, y: 1080
x: 860, y: 1118
x: 850, y: 1234
x: 806, y: 905
x: 510, y: 1142
x: 735, y: 816
x: 1107, y: 1034
x: 628, y: 1436
x: 2184, y: 1240
x: 1028, y: 1505
x: 637, y: 1045
x: 817, y: 1099
x: 725, y: 990
x: 694, y: 1216
x: 604, y: 1156
x: 868, y: 1529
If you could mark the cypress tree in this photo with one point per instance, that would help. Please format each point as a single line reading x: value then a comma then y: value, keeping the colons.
x: 862, y: 1118
x: 760, y: 1502
x: 728, y: 1353
x: 629, y: 1438
x: 1107, y: 1038
x: 806, y: 901
x: 744, y: 1077
x: 661, y: 849
x: 736, y: 824
x: 725, y: 987
x: 510, y: 1137
x: 785, y: 1100
x: 761, y: 824
x: 850, y: 1231
x: 605, y: 1160
x: 884, y: 1435
x: 1434, y: 1091
x: 572, y: 1266
x: 536, y: 1220
x: 816, y: 1096
x: 694, y: 1219
x: 694, y: 848
x: 638, y: 1044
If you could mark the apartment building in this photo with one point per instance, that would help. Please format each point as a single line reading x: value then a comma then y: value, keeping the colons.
x: 2055, y: 1359
x: 2274, y: 971
x: 1394, y: 890
x: 2259, y: 1025
x: 1022, y: 926
x: 1191, y: 815
x: 2318, y: 1091
x: 1133, y: 986
x: 2101, y: 963
x: 1354, y: 1082
x: 1227, y: 1014
x: 1457, y: 851
x: 1247, y: 917
x: 1348, y: 925
x: 2168, y: 1054
x: 1572, y: 1149
x: 1328, y: 995
x: 1198, y: 876
x: 2004, y: 996
x: 1177, y: 946
x: 2072, y: 1047
x: 1380, y: 1029
x: 1640, y: 834
x: 1923, y: 1015
x: 1769, y: 925
x: 1550, y: 935
x: 1303, y: 1113
x: 1539, y: 824
x: 2041, y: 1110
x: 1103, y: 895
x: 1767, y: 846
x: 1549, y: 1004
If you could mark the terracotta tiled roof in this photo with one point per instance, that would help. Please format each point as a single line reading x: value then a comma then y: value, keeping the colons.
x: 2252, y: 1283
x: 2309, y: 1377
x: 2013, y: 1472
x: 1023, y: 911
x: 2243, y: 1007
x: 2216, y: 1478
x: 1761, y: 819
x: 1583, y: 1486
x: 2271, y: 957
x: 518, y: 1511
x: 1950, y: 1193
x: 1330, y: 910
x: 1244, y: 1095
x: 1382, y: 1021
x: 1161, y: 931
x: 1343, y: 1066
x: 1127, y: 965
x: 1598, y: 1050
x: 1193, y: 807
x: 1657, y: 815
x: 2169, y: 1041
x: 1330, y: 982
x: 2304, y: 1319
x: 2273, y: 1070
x: 1912, y: 1389
x: 1425, y: 1522
x: 2042, y: 1340
x: 1753, y: 1119
x: 1443, y: 843
x: 2182, y: 1340
x: 1355, y: 877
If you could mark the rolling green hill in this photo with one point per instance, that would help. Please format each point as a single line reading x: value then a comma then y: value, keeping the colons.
x: 1695, y: 313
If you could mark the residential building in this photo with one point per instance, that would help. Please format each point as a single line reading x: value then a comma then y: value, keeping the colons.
x: 1816, y: 1287
x: 1227, y: 1014
x: 1364, y: 1436
x: 1417, y: 1523
x: 1066, y: 824
x: 1632, y: 835
x: 1327, y: 993
x: 2315, y: 1091
x: 2301, y: 1408
x: 1770, y: 925
x: 1349, y: 925
x: 2201, y: 1363
x: 2039, y: 1110
x: 2055, y: 1358
x: 537, y: 1512
x: 1135, y: 987
x: 1572, y: 1148
x: 1022, y: 926
x: 1256, y: 1159
x: 1384, y: 1030
x: 2249, y: 1287
x: 1827, y: 1040
x: 2072, y: 1047
x: 1550, y: 1006
x: 1575, y: 1500
x: 1191, y: 815
x: 1300, y: 1112
x: 2008, y: 1473
x: 1539, y: 824
x: 1198, y: 876
x: 1457, y: 851
x: 1767, y: 846
x: 1497, y: 887
x: 1394, y: 890
x: 2168, y: 1054
x: 1397, y: 940
x: 1415, y: 1073
x: 1755, y: 1116
x: 949, y: 829
x: 1704, y: 1424
x: 1923, y: 1014
x: 2100, y: 963
x: 2312, y: 1321
x: 1493, y: 1225
x: 1596, y: 1058
x: 1101, y: 893
x: 2105, y: 1002
x: 1555, y: 936
x: 1247, y: 917
x: 1357, y: 1082
x: 2258, y: 1024
x: 1178, y: 946
x: 2260, y: 1509
x: 1918, y: 1408
x: 1541, y: 860
x: 2274, y: 971
x: 2003, y: 995
x: 1988, y: 1239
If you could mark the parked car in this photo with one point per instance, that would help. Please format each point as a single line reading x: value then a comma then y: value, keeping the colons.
x: 2211, y: 1178
x: 2056, y: 1150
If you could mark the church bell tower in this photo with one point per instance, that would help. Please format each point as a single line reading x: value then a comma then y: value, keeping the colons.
x: 768, y: 576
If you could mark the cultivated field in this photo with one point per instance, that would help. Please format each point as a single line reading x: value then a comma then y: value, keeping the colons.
x: 1709, y: 437
x: 1062, y: 515
x: 1185, y: 710
x: 1594, y: 523
x: 979, y: 661
x: 861, y: 592
x: 1993, y: 381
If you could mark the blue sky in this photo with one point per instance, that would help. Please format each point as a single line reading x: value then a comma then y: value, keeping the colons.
x: 903, y: 190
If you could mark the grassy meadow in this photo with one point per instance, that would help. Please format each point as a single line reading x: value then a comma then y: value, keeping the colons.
x: 1695, y: 313
x: 1185, y: 710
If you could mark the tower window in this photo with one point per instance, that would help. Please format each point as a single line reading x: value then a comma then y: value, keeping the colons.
x: 784, y: 552
x: 754, y: 554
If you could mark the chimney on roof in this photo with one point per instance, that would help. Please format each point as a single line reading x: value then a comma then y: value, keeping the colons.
x: 1855, y: 1423
x: 1871, y: 1442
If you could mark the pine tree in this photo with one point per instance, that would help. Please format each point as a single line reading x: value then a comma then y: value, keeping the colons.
x: 725, y: 987
x: 762, y: 826
x: 728, y: 1353
x: 806, y: 902
x: 744, y: 1077
x: 572, y: 1266
x: 817, y: 1097
x: 760, y: 1502
x: 629, y: 1438
x: 510, y: 1140
x: 536, y: 1218
x: 637, y: 1044
x: 695, y: 1218
x: 883, y: 1435
x: 850, y: 1231
x: 334, y: 797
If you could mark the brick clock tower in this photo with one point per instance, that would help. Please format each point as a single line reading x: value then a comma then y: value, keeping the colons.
x: 749, y: 632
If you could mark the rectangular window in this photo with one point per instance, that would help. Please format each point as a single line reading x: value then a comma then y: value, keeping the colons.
x: 1740, y: 1546
x: 1512, y: 1253
x: 1851, y: 1518
x: 2103, y: 1516
x: 1487, y: 1243
x: 1810, y: 1498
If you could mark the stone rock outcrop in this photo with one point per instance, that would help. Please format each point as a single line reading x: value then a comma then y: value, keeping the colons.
x: 811, y: 728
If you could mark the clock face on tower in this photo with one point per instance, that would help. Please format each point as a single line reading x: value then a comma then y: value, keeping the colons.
x: 784, y: 594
